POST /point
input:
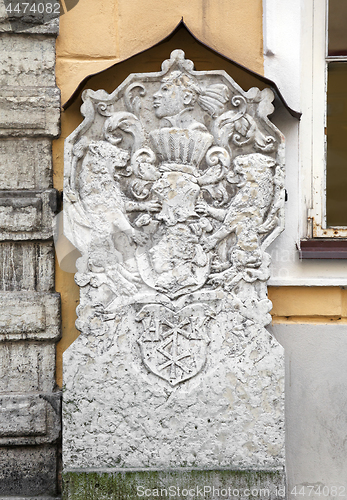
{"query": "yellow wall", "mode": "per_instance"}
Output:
(96, 35)
(295, 304)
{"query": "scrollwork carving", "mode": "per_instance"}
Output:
(133, 102)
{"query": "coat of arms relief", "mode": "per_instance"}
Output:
(173, 190)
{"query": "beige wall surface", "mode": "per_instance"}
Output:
(93, 35)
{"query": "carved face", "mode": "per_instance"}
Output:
(171, 99)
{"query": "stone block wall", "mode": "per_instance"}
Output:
(30, 404)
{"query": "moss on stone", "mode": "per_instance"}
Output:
(131, 485)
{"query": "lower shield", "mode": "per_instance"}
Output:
(174, 344)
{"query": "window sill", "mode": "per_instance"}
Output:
(323, 249)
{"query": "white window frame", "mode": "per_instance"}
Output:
(314, 70)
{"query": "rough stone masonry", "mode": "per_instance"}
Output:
(30, 405)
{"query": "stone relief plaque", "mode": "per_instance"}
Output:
(174, 188)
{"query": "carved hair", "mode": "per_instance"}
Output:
(212, 99)
(111, 124)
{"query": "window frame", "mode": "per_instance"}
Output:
(317, 108)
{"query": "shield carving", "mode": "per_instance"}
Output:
(174, 265)
(174, 345)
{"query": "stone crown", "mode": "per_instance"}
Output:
(182, 146)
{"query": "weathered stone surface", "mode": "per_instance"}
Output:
(31, 498)
(18, 26)
(33, 111)
(29, 316)
(27, 367)
(118, 484)
(30, 412)
(28, 469)
(27, 61)
(27, 214)
(174, 188)
(30, 419)
(26, 266)
(118, 413)
(22, 416)
(25, 163)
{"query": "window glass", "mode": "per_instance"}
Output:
(337, 28)
(336, 205)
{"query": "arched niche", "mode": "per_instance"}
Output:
(204, 57)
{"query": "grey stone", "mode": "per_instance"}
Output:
(30, 498)
(25, 163)
(24, 23)
(27, 367)
(29, 316)
(30, 412)
(29, 111)
(27, 214)
(28, 469)
(26, 266)
(27, 61)
(316, 413)
(45, 267)
(50, 28)
(173, 190)
(30, 419)
(22, 416)
(118, 412)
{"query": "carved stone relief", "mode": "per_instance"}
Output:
(173, 190)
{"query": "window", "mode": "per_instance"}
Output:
(328, 215)
(336, 153)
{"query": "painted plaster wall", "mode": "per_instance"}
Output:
(95, 35)
(316, 404)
